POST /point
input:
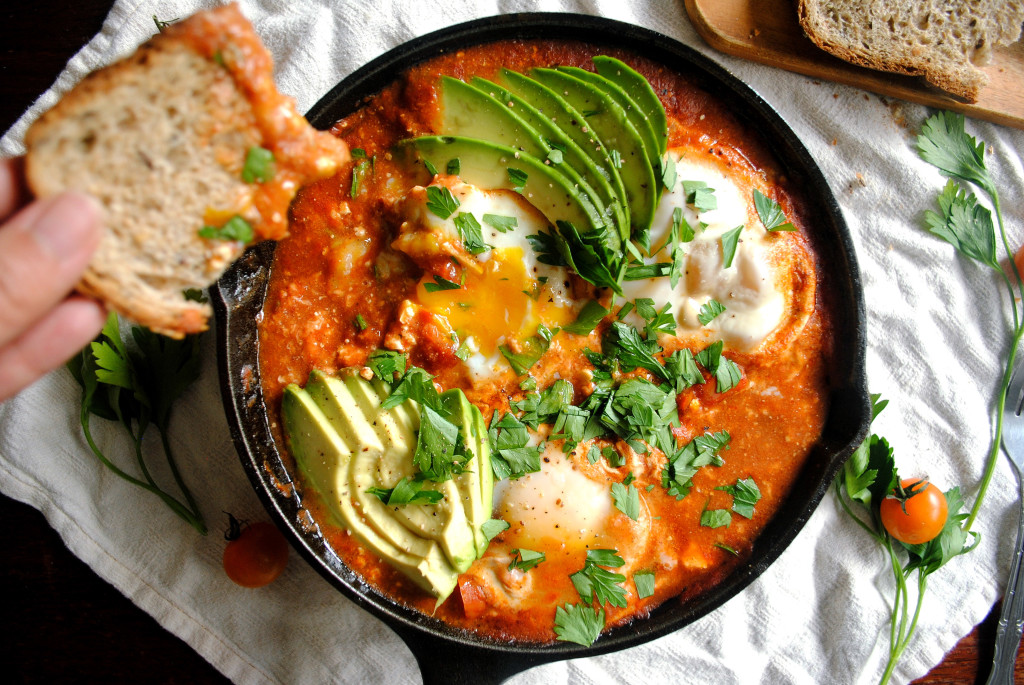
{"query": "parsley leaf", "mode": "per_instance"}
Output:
(454, 167)
(709, 311)
(236, 228)
(644, 581)
(727, 373)
(699, 195)
(440, 283)
(715, 518)
(517, 178)
(588, 318)
(502, 224)
(511, 455)
(770, 213)
(406, 491)
(530, 352)
(441, 202)
(470, 230)
(745, 494)
(730, 240)
(386, 364)
(595, 581)
(627, 499)
(579, 623)
(492, 528)
(964, 224)
(525, 559)
(944, 143)
(440, 448)
(259, 165)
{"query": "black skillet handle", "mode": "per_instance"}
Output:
(447, 662)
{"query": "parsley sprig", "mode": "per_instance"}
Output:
(136, 387)
(866, 479)
(967, 225)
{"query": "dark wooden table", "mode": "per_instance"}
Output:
(61, 621)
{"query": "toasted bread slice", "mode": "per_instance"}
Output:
(945, 41)
(161, 139)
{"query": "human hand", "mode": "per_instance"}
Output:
(44, 248)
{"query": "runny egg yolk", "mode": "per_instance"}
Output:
(498, 303)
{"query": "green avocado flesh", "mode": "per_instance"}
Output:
(486, 165)
(640, 90)
(572, 122)
(573, 155)
(344, 443)
(608, 121)
(636, 116)
(473, 113)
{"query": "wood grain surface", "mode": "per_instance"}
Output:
(61, 622)
(767, 31)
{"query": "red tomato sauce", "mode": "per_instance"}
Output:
(336, 290)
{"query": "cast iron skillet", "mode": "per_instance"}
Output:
(449, 655)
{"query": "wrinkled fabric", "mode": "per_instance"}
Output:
(937, 330)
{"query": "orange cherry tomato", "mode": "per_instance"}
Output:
(257, 556)
(924, 518)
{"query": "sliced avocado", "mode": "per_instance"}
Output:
(640, 90)
(637, 116)
(444, 521)
(573, 155)
(385, 442)
(325, 460)
(476, 484)
(472, 113)
(488, 165)
(572, 122)
(608, 121)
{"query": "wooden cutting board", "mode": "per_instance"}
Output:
(767, 31)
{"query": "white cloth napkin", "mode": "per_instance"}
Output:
(937, 333)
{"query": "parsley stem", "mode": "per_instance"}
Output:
(193, 507)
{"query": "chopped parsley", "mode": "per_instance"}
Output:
(259, 165)
(360, 322)
(770, 213)
(517, 178)
(407, 491)
(579, 623)
(715, 518)
(454, 167)
(745, 494)
(359, 173)
(441, 283)
(627, 499)
(595, 582)
(492, 528)
(730, 240)
(441, 202)
(471, 233)
(588, 318)
(727, 374)
(710, 310)
(235, 228)
(386, 364)
(511, 454)
(700, 195)
(668, 176)
(502, 224)
(530, 352)
(683, 463)
(555, 156)
(644, 581)
(525, 559)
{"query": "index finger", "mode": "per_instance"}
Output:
(12, 185)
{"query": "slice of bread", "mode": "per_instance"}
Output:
(161, 140)
(945, 41)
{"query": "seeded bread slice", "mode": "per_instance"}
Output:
(161, 139)
(945, 41)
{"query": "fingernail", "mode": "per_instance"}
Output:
(67, 225)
